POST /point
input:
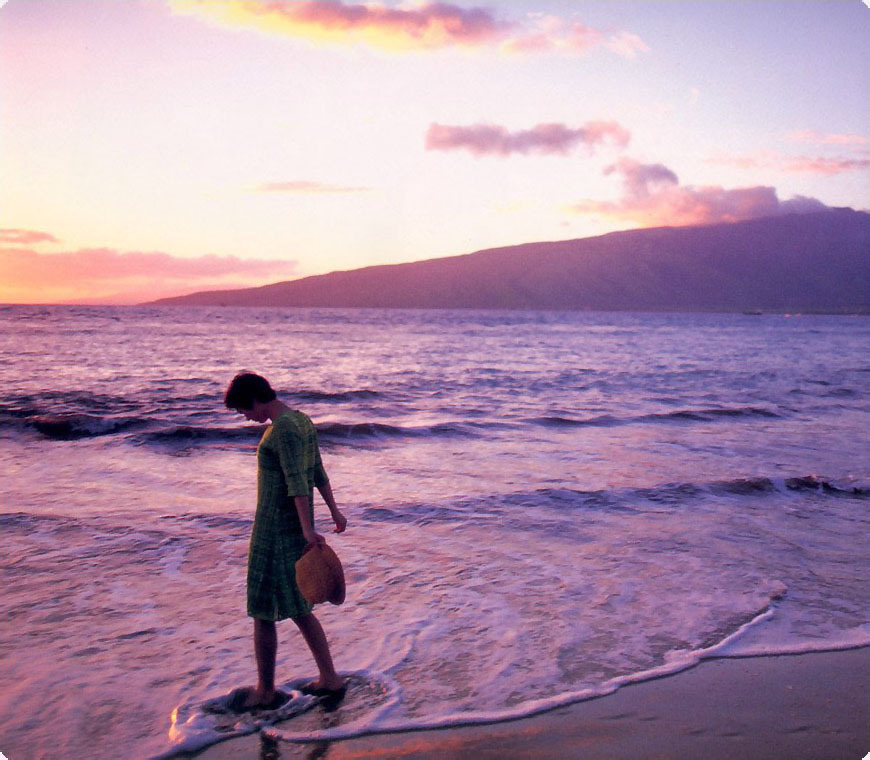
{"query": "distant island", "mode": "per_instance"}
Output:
(815, 262)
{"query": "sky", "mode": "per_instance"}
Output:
(152, 148)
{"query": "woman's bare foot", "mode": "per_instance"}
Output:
(250, 698)
(325, 687)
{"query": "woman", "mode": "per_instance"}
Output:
(288, 469)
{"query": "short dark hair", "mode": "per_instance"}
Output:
(245, 389)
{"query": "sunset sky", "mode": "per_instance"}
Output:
(157, 148)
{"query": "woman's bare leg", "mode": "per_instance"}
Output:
(266, 652)
(315, 637)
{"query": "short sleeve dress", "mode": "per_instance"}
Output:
(288, 465)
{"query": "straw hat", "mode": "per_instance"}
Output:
(319, 575)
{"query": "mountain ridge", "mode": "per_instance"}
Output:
(816, 261)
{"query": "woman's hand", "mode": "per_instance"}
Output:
(340, 521)
(312, 538)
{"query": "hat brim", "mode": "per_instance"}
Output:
(320, 576)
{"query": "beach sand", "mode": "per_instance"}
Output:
(794, 707)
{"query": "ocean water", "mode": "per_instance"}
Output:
(543, 507)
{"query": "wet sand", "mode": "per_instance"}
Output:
(793, 707)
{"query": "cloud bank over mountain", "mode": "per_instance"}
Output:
(652, 196)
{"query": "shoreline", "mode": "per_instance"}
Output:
(810, 706)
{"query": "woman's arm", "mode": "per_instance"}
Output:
(337, 517)
(303, 509)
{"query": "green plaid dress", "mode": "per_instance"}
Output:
(288, 465)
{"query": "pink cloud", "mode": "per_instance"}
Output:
(821, 165)
(821, 138)
(625, 44)
(652, 196)
(491, 139)
(96, 273)
(426, 26)
(306, 187)
(430, 25)
(642, 180)
(554, 34)
(450, 22)
(25, 237)
(772, 160)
